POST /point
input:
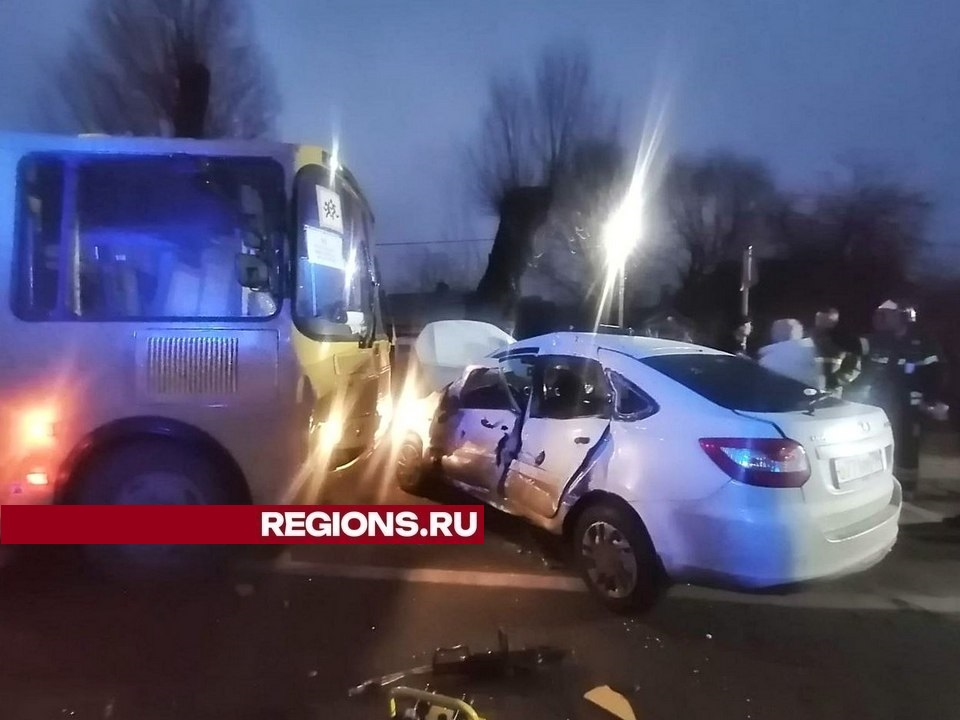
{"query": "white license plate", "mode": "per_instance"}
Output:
(858, 466)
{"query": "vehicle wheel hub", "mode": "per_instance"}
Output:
(408, 458)
(610, 561)
(159, 488)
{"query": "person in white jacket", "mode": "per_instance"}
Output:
(791, 354)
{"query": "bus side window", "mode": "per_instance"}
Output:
(38, 258)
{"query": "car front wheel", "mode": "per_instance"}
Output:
(616, 557)
(410, 469)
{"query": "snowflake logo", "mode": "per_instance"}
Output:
(330, 210)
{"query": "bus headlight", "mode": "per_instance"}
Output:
(38, 429)
(331, 431)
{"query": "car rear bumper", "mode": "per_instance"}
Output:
(769, 543)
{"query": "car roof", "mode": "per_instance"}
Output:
(584, 344)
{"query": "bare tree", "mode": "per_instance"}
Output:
(568, 248)
(186, 68)
(532, 131)
(872, 218)
(504, 157)
(717, 206)
(534, 125)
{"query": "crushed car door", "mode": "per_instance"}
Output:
(567, 417)
(484, 419)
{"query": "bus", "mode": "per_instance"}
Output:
(184, 321)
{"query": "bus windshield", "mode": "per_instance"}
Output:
(333, 269)
(137, 237)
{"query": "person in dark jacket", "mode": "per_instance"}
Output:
(736, 342)
(838, 367)
(903, 375)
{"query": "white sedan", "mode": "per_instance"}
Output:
(664, 459)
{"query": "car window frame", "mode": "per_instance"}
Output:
(653, 407)
(537, 395)
(510, 405)
(522, 404)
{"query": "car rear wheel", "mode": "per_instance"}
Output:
(155, 471)
(616, 557)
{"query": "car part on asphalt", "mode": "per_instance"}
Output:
(458, 660)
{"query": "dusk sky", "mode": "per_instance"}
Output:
(797, 84)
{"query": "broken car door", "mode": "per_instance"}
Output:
(485, 416)
(568, 414)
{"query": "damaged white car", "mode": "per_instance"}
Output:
(658, 459)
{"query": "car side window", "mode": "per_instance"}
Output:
(485, 390)
(571, 387)
(631, 403)
(518, 372)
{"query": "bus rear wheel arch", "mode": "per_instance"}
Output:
(156, 470)
(195, 451)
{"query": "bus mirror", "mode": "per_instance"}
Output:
(252, 239)
(252, 272)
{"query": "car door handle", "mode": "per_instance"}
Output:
(581, 440)
(538, 460)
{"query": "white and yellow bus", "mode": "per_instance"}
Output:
(183, 321)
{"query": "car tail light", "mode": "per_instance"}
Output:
(764, 462)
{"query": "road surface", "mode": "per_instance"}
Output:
(284, 637)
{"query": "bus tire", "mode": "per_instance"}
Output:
(156, 471)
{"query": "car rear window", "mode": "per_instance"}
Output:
(735, 383)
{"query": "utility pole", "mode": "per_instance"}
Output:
(623, 285)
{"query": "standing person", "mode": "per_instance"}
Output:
(837, 367)
(903, 376)
(876, 349)
(736, 342)
(920, 370)
(790, 354)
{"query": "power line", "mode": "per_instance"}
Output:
(432, 242)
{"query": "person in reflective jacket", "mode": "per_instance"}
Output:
(903, 373)
(838, 366)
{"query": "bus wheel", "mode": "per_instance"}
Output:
(155, 471)
(410, 471)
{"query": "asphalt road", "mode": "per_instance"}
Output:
(286, 636)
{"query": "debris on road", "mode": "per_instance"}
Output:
(605, 698)
(458, 660)
(244, 589)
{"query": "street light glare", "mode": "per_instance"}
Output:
(621, 232)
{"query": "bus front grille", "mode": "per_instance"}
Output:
(192, 365)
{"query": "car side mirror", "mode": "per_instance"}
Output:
(252, 272)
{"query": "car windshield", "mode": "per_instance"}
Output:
(734, 382)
